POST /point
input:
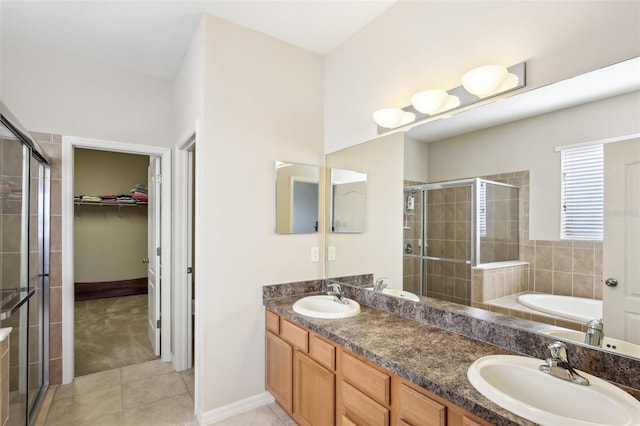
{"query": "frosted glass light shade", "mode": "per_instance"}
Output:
(390, 118)
(432, 102)
(488, 80)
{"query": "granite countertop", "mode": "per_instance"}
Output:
(430, 357)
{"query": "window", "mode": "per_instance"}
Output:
(482, 210)
(582, 193)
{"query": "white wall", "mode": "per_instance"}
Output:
(378, 250)
(424, 45)
(188, 97)
(262, 102)
(415, 160)
(530, 145)
(58, 94)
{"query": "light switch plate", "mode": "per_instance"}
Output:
(315, 254)
(331, 253)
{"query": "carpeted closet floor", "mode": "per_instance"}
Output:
(111, 333)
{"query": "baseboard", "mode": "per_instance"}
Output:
(235, 408)
(99, 290)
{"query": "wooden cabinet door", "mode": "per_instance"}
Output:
(279, 370)
(314, 392)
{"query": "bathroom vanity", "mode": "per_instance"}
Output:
(319, 382)
(376, 368)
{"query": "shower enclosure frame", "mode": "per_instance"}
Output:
(36, 291)
(475, 201)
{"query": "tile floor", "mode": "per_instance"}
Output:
(150, 393)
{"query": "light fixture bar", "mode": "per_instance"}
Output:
(466, 99)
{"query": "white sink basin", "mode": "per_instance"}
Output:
(608, 343)
(516, 384)
(396, 292)
(324, 306)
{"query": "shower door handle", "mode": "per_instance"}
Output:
(14, 303)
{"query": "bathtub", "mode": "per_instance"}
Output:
(572, 308)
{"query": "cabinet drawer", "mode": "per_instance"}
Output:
(272, 322)
(418, 409)
(297, 336)
(359, 409)
(369, 380)
(322, 351)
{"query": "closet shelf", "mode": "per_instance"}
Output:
(77, 205)
(80, 203)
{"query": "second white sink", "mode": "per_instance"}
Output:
(516, 384)
(396, 292)
(324, 306)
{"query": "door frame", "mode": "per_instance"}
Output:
(69, 143)
(182, 294)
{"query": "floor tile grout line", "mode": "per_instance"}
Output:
(155, 402)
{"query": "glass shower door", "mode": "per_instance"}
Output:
(24, 242)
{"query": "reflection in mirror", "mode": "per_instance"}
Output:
(521, 149)
(463, 224)
(297, 206)
(348, 201)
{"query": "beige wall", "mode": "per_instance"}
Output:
(110, 242)
(530, 145)
(419, 45)
(262, 102)
(375, 251)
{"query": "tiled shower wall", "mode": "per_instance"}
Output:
(449, 237)
(52, 145)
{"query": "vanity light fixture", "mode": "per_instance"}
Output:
(488, 80)
(393, 117)
(433, 102)
(478, 86)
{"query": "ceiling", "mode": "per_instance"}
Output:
(151, 36)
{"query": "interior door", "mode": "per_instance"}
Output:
(154, 254)
(621, 249)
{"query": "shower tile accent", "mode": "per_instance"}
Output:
(499, 281)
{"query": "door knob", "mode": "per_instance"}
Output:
(145, 260)
(611, 282)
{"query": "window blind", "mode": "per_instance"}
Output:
(482, 210)
(582, 193)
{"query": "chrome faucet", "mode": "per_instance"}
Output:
(337, 293)
(379, 285)
(558, 365)
(595, 332)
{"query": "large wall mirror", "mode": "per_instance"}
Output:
(515, 143)
(297, 194)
